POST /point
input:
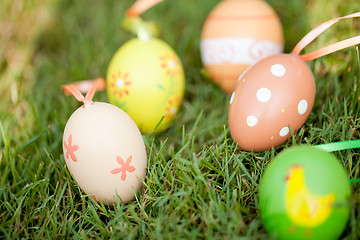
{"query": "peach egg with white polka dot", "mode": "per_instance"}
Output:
(275, 95)
(272, 98)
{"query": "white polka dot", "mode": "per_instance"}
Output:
(251, 120)
(232, 97)
(278, 70)
(263, 94)
(302, 106)
(284, 131)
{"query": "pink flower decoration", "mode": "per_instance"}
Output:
(125, 167)
(70, 149)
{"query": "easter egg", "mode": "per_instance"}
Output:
(304, 194)
(145, 78)
(273, 97)
(104, 152)
(236, 34)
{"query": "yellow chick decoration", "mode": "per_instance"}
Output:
(304, 194)
(303, 207)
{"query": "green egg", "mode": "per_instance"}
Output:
(305, 194)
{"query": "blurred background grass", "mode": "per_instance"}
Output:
(199, 184)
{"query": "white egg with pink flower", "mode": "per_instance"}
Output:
(104, 152)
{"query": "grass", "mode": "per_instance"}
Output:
(198, 184)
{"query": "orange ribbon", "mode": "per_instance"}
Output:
(74, 89)
(140, 6)
(308, 38)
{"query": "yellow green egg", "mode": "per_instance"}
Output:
(305, 194)
(145, 78)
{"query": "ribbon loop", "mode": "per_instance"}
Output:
(330, 48)
(308, 38)
(74, 89)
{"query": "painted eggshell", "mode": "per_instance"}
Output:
(304, 194)
(146, 80)
(236, 34)
(104, 152)
(273, 96)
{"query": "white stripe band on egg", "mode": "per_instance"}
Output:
(218, 51)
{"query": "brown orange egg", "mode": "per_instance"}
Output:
(236, 34)
(273, 97)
